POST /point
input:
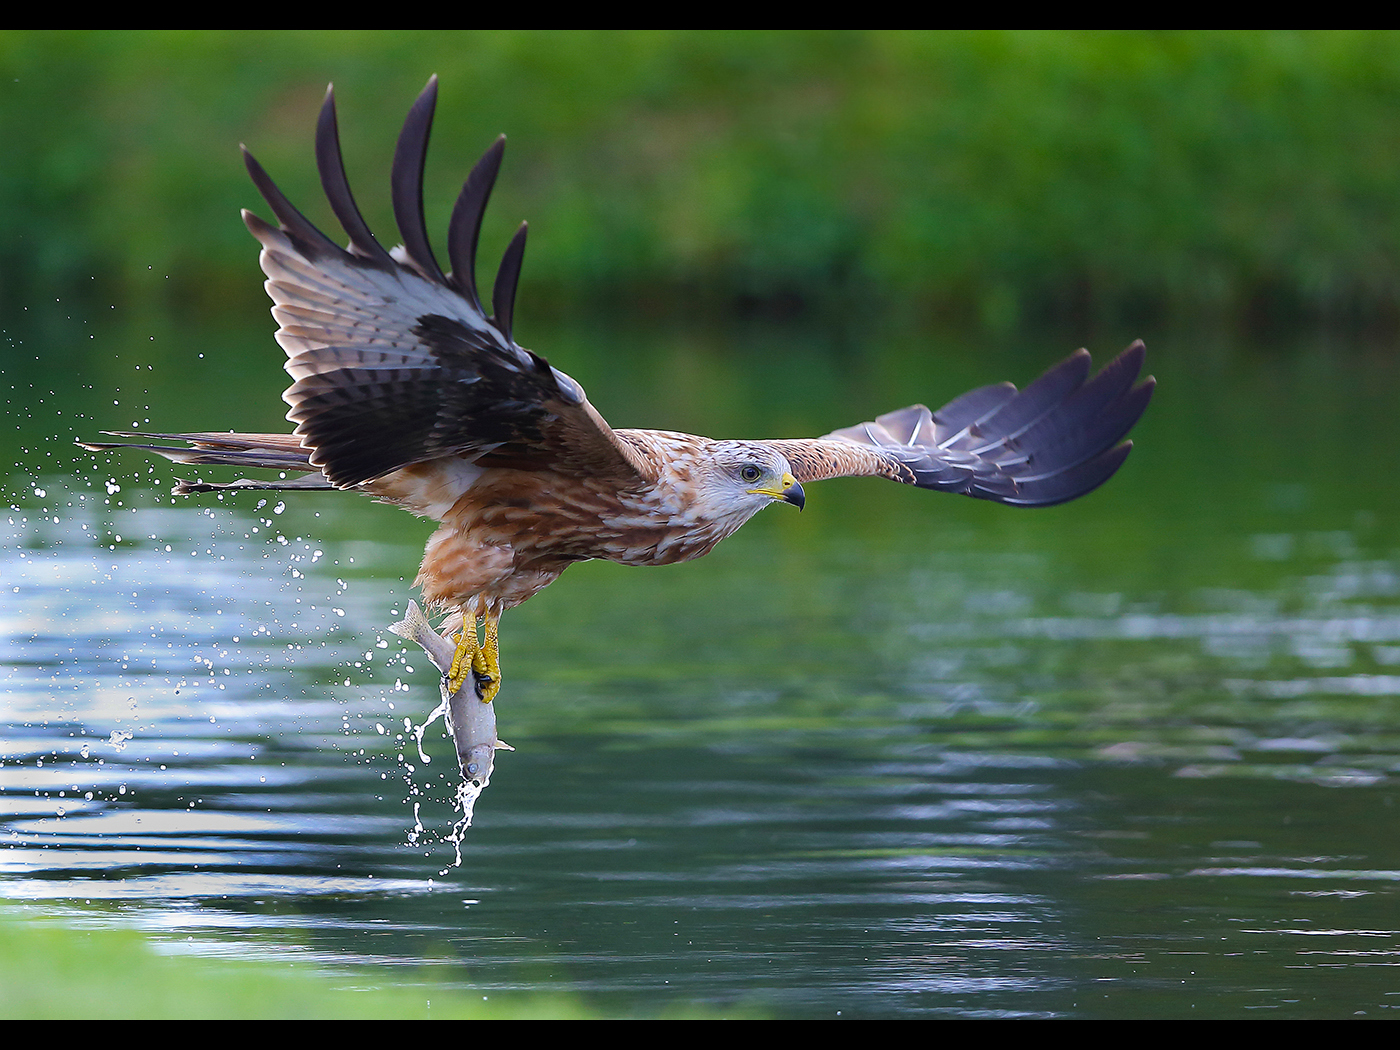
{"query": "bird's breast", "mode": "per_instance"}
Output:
(546, 518)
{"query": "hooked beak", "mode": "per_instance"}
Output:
(793, 493)
(790, 492)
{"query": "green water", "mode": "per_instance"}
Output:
(900, 754)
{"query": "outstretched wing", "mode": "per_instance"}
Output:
(1054, 441)
(396, 362)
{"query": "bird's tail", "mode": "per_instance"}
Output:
(267, 451)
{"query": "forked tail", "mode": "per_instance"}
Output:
(266, 451)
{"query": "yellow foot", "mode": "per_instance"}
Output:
(486, 663)
(464, 658)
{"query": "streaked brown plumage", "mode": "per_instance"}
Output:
(405, 389)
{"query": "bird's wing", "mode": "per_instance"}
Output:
(1055, 440)
(395, 362)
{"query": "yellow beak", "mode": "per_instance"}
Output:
(788, 491)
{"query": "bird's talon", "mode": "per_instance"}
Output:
(486, 666)
(462, 660)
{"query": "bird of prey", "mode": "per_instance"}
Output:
(405, 388)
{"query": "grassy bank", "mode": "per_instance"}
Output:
(49, 969)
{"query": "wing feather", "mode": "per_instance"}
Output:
(1054, 441)
(331, 165)
(507, 277)
(970, 407)
(395, 363)
(406, 183)
(464, 229)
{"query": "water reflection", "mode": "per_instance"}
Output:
(979, 781)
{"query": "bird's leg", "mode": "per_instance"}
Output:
(486, 661)
(465, 656)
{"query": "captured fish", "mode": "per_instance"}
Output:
(471, 722)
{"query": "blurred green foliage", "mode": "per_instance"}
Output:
(993, 178)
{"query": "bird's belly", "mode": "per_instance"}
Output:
(459, 568)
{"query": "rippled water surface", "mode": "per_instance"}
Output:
(899, 755)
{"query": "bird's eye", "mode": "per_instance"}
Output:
(749, 472)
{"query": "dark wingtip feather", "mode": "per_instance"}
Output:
(310, 241)
(1079, 432)
(507, 277)
(464, 231)
(1042, 397)
(1069, 484)
(1084, 451)
(1131, 359)
(406, 182)
(331, 164)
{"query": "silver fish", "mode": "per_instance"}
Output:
(471, 723)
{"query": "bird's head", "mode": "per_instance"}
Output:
(740, 478)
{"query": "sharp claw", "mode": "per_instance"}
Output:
(462, 659)
(487, 674)
(480, 660)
